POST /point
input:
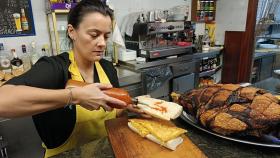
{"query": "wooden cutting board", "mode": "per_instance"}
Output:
(128, 144)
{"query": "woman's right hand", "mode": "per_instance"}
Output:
(91, 97)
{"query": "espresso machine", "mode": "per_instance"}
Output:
(154, 40)
(167, 50)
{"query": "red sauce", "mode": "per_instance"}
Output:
(160, 108)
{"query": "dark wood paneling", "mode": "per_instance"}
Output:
(194, 10)
(248, 43)
(231, 56)
(239, 49)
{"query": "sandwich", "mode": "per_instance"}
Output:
(159, 108)
(157, 131)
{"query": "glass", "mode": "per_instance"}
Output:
(17, 21)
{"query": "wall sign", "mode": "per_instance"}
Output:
(16, 18)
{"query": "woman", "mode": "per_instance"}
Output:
(40, 92)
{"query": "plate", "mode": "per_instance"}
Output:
(192, 121)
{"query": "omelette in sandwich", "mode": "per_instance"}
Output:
(157, 131)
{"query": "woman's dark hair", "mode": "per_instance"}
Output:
(84, 7)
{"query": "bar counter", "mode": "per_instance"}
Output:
(212, 146)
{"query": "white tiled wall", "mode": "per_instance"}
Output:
(121, 7)
(230, 16)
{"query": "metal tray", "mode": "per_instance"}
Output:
(192, 121)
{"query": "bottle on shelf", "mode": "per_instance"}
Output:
(205, 10)
(206, 41)
(198, 5)
(25, 58)
(35, 56)
(43, 52)
(1, 47)
(47, 49)
(5, 60)
(16, 62)
(211, 5)
(24, 22)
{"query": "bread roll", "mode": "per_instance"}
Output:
(8, 76)
(159, 108)
(17, 72)
(2, 75)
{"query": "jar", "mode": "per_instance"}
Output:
(206, 5)
(202, 5)
(210, 15)
(211, 5)
(202, 15)
(198, 5)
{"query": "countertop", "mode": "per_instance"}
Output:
(212, 146)
(127, 76)
(134, 65)
(271, 84)
(258, 55)
(213, 52)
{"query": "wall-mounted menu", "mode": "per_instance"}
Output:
(16, 18)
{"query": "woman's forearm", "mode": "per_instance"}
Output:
(16, 101)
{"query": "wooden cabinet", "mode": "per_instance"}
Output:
(203, 11)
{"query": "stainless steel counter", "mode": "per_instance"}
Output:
(127, 76)
(211, 53)
(258, 55)
(134, 65)
(130, 80)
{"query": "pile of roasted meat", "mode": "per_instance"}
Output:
(232, 109)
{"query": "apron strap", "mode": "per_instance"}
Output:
(101, 73)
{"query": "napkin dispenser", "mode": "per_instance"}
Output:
(127, 55)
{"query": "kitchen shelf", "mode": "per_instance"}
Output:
(61, 11)
(206, 10)
(210, 72)
(53, 29)
(201, 14)
(269, 37)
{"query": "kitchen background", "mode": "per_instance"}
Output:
(224, 20)
(230, 16)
